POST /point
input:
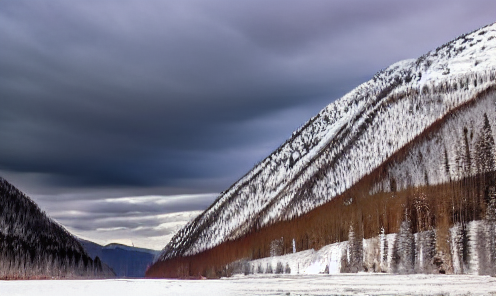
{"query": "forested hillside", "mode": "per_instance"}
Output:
(34, 246)
(414, 146)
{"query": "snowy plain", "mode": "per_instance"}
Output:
(342, 284)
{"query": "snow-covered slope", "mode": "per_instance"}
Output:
(346, 141)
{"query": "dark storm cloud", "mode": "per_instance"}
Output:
(171, 97)
(147, 93)
(105, 95)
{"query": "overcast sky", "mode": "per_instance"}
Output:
(123, 119)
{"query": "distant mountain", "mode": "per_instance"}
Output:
(34, 246)
(124, 260)
(413, 146)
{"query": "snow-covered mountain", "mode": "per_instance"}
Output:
(420, 122)
(34, 246)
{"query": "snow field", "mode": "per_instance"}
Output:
(343, 284)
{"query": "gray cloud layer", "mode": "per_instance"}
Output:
(147, 221)
(167, 97)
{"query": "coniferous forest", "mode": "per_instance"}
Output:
(32, 246)
(408, 156)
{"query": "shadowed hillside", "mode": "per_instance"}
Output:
(125, 261)
(34, 246)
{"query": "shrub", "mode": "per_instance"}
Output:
(287, 269)
(269, 268)
(259, 268)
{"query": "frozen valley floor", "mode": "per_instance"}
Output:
(340, 284)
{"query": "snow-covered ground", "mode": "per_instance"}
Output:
(342, 284)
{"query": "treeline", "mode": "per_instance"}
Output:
(34, 246)
(429, 211)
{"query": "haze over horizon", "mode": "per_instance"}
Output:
(124, 119)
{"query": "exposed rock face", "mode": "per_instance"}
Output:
(409, 152)
(34, 246)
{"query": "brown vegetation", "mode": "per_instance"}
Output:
(426, 207)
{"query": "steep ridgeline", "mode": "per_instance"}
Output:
(34, 246)
(417, 135)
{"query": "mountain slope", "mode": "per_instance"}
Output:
(125, 261)
(34, 246)
(346, 143)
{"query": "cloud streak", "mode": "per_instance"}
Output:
(146, 221)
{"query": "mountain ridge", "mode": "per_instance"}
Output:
(126, 261)
(346, 141)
